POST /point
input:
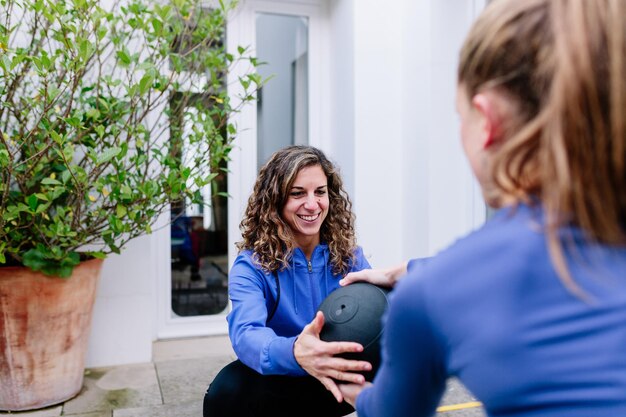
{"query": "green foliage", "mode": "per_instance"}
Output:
(94, 103)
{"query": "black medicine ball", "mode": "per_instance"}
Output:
(354, 314)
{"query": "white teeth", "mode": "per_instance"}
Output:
(308, 218)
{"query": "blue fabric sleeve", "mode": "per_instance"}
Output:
(255, 344)
(415, 265)
(360, 262)
(412, 377)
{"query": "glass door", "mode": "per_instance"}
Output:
(193, 296)
(282, 103)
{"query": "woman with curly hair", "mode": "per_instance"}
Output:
(298, 242)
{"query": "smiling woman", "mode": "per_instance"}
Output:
(298, 242)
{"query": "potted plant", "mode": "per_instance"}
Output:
(89, 157)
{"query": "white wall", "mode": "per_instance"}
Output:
(452, 190)
(341, 144)
(378, 129)
(416, 127)
(414, 191)
(123, 319)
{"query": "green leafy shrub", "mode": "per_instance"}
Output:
(89, 156)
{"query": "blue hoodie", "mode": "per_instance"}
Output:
(268, 349)
(492, 311)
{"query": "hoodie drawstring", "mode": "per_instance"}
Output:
(325, 272)
(293, 281)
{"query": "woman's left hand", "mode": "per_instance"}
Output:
(351, 391)
(318, 358)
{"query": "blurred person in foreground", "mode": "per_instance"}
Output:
(529, 311)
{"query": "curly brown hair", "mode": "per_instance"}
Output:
(266, 233)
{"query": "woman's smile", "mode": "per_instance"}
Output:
(309, 217)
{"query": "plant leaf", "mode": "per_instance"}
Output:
(50, 181)
(107, 155)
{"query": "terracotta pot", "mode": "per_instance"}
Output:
(44, 330)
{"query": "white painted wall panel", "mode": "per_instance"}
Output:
(123, 319)
(417, 126)
(340, 145)
(450, 180)
(378, 129)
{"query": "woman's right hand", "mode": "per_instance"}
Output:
(381, 277)
(318, 358)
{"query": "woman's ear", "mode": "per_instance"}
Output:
(485, 104)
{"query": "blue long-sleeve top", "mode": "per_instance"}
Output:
(268, 348)
(492, 311)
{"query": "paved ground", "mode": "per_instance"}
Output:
(173, 385)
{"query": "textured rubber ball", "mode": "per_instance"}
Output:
(354, 314)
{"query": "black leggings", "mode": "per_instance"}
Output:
(239, 391)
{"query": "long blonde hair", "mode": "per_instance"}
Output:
(270, 238)
(563, 63)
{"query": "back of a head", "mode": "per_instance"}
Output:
(563, 64)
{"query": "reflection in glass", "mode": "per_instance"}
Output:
(198, 231)
(199, 237)
(282, 107)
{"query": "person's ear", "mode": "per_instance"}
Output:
(490, 119)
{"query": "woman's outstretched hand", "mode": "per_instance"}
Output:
(318, 358)
(382, 277)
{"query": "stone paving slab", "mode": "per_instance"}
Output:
(202, 347)
(46, 412)
(456, 393)
(187, 380)
(108, 413)
(106, 389)
(189, 409)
